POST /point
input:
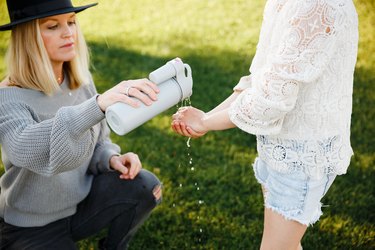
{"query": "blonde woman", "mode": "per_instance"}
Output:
(297, 100)
(64, 179)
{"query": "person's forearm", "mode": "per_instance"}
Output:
(225, 104)
(218, 120)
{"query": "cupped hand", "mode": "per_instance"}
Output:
(182, 129)
(188, 121)
(140, 90)
(127, 164)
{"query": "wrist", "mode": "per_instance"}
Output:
(204, 124)
(98, 101)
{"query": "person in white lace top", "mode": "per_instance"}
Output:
(297, 100)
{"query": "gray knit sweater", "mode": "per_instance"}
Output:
(51, 148)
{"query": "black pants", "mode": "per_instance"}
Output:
(113, 203)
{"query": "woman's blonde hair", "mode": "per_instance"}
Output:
(29, 65)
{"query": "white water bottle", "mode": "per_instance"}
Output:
(175, 83)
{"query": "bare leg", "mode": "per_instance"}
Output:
(279, 233)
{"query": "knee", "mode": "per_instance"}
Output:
(151, 185)
(157, 192)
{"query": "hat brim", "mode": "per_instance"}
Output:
(9, 26)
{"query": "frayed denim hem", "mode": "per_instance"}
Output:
(286, 216)
(294, 196)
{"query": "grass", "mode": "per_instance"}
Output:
(215, 202)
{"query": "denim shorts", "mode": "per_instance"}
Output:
(295, 195)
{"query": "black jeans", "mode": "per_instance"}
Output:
(113, 203)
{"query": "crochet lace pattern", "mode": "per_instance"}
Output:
(298, 97)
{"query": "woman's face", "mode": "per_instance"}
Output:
(59, 36)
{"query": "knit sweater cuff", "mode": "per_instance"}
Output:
(106, 156)
(84, 116)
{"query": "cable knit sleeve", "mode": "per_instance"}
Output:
(300, 49)
(52, 146)
(104, 150)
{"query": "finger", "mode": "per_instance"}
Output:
(175, 116)
(152, 85)
(173, 127)
(128, 100)
(184, 131)
(134, 170)
(140, 83)
(152, 93)
(120, 167)
(134, 165)
(125, 177)
(181, 128)
(177, 127)
(147, 88)
(134, 92)
(193, 133)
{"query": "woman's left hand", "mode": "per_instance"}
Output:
(127, 164)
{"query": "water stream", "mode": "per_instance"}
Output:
(193, 170)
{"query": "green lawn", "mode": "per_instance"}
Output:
(211, 198)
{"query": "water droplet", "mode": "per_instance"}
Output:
(192, 169)
(200, 202)
(180, 184)
(174, 205)
(195, 184)
(198, 188)
(187, 102)
(200, 230)
(188, 142)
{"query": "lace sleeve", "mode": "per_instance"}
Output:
(298, 53)
(244, 83)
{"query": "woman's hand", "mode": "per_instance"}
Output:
(128, 165)
(142, 89)
(188, 121)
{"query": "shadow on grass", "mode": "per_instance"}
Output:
(218, 205)
(195, 206)
(363, 117)
(214, 76)
(232, 199)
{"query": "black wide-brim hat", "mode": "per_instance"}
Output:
(21, 11)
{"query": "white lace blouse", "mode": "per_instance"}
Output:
(298, 96)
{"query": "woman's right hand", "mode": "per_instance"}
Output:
(142, 89)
